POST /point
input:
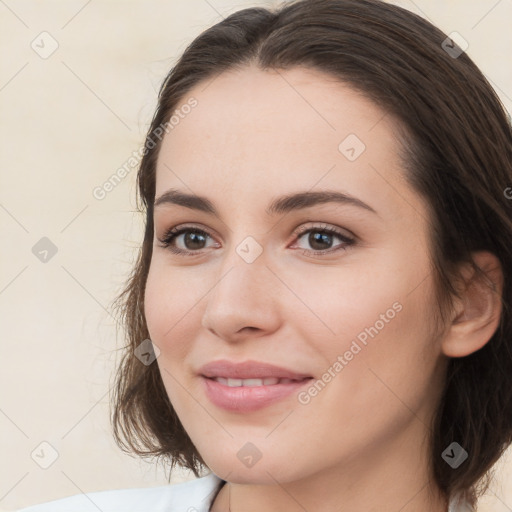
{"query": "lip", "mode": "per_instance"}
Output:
(244, 398)
(248, 370)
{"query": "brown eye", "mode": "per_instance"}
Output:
(322, 239)
(192, 240)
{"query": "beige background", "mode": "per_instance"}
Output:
(69, 121)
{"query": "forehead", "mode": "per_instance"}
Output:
(256, 133)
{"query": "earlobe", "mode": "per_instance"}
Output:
(478, 311)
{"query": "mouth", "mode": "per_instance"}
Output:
(249, 386)
(251, 383)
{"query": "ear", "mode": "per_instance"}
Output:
(477, 314)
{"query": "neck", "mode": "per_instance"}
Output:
(391, 478)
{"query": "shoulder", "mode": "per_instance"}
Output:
(193, 496)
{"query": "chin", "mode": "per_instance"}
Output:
(261, 473)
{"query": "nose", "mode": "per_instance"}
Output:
(243, 301)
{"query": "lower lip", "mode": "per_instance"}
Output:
(247, 399)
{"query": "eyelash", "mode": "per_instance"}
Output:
(173, 233)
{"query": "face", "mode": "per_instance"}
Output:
(335, 291)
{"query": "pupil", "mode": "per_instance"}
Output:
(194, 238)
(319, 237)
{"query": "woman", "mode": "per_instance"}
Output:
(320, 312)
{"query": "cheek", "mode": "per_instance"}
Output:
(170, 315)
(388, 358)
(378, 321)
(171, 308)
(338, 304)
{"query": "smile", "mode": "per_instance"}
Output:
(248, 395)
(250, 383)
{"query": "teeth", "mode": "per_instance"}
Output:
(252, 382)
(236, 383)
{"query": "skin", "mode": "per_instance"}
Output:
(359, 444)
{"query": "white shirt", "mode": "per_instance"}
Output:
(193, 496)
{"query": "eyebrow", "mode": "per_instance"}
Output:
(279, 205)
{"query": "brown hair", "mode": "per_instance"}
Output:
(458, 155)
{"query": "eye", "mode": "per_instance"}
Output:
(320, 238)
(194, 239)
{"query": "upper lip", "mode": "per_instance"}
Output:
(248, 370)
